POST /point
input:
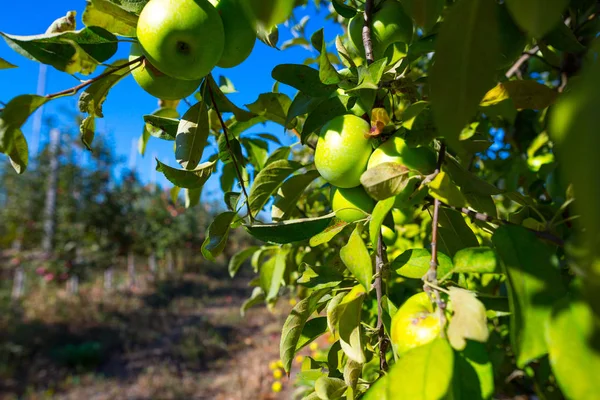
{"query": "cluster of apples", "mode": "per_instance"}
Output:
(183, 40)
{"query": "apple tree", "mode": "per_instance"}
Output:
(439, 215)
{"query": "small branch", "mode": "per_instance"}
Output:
(233, 158)
(77, 88)
(379, 266)
(366, 32)
(517, 65)
(430, 278)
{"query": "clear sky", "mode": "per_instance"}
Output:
(127, 103)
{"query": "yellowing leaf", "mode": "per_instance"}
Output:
(469, 320)
(443, 189)
(379, 120)
(526, 94)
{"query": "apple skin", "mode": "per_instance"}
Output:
(158, 84)
(351, 204)
(240, 34)
(390, 24)
(414, 324)
(343, 150)
(389, 235)
(181, 38)
(270, 12)
(395, 149)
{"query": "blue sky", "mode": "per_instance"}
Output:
(127, 103)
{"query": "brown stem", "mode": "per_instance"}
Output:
(366, 32)
(379, 266)
(431, 274)
(83, 84)
(229, 149)
(517, 65)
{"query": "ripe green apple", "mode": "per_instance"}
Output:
(351, 204)
(395, 149)
(414, 324)
(240, 34)
(402, 216)
(158, 84)
(390, 24)
(270, 12)
(182, 38)
(389, 235)
(343, 150)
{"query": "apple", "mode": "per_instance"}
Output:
(390, 24)
(389, 235)
(270, 12)
(343, 150)
(414, 324)
(402, 216)
(351, 204)
(240, 34)
(182, 38)
(158, 84)
(395, 149)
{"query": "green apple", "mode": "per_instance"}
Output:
(182, 38)
(343, 150)
(351, 204)
(402, 216)
(390, 24)
(389, 235)
(158, 84)
(270, 12)
(240, 34)
(414, 324)
(395, 149)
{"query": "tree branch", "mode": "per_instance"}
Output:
(431, 274)
(517, 65)
(380, 261)
(366, 32)
(233, 158)
(77, 88)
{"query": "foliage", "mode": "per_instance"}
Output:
(503, 93)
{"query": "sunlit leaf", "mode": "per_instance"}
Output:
(469, 319)
(357, 259)
(193, 179)
(289, 193)
(414, 264)
(385, 180)
(290, 231)
(525, 94)
(192, 136)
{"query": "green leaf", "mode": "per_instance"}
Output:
(192, 197)
(257, 297)
(413, 374)
(238, 259)
(574, 356)
(349, 328)
(162, 127)
(19, 155)
(72, 51)
(466, 57)
(329, 388)
(225, 105)
(327, 73)
(453, 233)
(112, 16)
(5, 64)
(534, 285)
(301, 105)
(385, 180)
(289, 193)
(356, 258)
(303, 78)
(343, 9)
(14, 115)
(294, 325)
(87, 129)
(473, 373)
(381, 210)
(290, 231)
(268, 181)
(469, 319)
(272, 106)
(352, 372)
(333, 314)
(537, 17)
(525, 94)
(281, 153)
(379, 390)
(312, 329)
(335, 227)
(445, 190)
(192, 136)
(425, 13)
(193, 179)
(479, 260)
(325, 112)
(217, 234)
(562, 38)
(271, 274)
(258, 151)
(269, 36)
(414, 264)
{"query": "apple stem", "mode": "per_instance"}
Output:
(209, 80)
(77, 88)
(430, 277)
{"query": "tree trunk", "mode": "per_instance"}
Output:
(18, 284)
(73, 285)
(108, 279)
(152, 263)
(131, 268)
(170, 263)
(50, 206)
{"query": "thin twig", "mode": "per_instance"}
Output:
(229, 149)
(366, 32)
(431, 275)
(379, 266)
(77, 88)
(517, 65)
